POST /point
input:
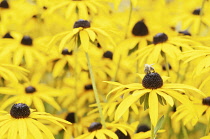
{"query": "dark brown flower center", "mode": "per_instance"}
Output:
(152, 81)
(27, 40)
(160, 38)
(121, 135)
(197, 11)
(108, 54)
(30, 89)
(71, 117)
(88, 87)
(142, 128)
(140, 29)
(94, 126)
(66, 52)
(206, 101)
(20, 110)
(4, 4)
(8, 35)
(82, 23)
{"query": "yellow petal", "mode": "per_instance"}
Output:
(43, 128)
(109, 133)
(100, 135)
(12, 133)
(153, 107)
(33, 129)
(126, 103)
(167, 98)
(91, 34)
(38, 104)
(70, 9)
(84, 38)
(22, 128)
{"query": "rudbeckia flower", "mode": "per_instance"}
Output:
(83, 33)
(202, 109)
(33, 94)
(24, 51)
(171, 47)
(97, 131)
(23, 123)
(151, 91)
(192, 17)
(80, 124)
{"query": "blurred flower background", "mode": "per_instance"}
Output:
(105, 69)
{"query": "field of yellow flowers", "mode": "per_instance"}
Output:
(104, 69)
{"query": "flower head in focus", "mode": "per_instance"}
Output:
(151, 92)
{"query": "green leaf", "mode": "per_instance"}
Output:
(142, 99)
(160, 100)
(146, 104)
(159, 124)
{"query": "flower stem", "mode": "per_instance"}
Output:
(95, 90)
(152, 132)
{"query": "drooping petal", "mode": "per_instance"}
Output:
(84, 38)
(153, 107)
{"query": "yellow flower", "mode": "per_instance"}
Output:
(23, 123)
(96, 131)
(79, 124)
(33, 94)
(150, 92)
(83, 33)
(25, 50)
(162, 44)
(202, 109)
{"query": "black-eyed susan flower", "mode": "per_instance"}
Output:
(151, 91)
(25, 51)
(80, 124)
(33, 93)
(186, 115)
(95, 130)
(83, 33)
(23, 122)
(163, 46)
(192, 17)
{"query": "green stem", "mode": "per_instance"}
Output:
(152, 132)
(95, 90)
